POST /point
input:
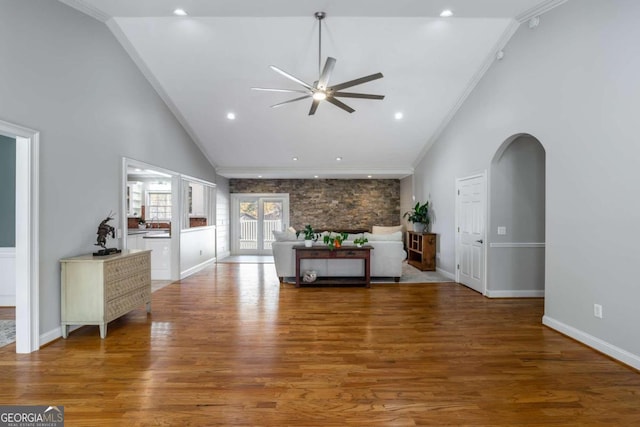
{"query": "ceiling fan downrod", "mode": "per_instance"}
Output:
(320, 16)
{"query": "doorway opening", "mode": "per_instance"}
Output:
(516, 232)
(254, 217)
(26, 236)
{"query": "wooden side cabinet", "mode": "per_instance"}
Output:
(421, 250)
(97, 290)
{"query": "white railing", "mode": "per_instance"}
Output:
(249, 232)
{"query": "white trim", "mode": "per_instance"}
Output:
(87, 9)
(538, 10)
(27, 236)
(489, 60)
(610, 350)
(223, 255)
(533, 293)
(517, 245)
(7, 252)
(196, 268)
(446, 274)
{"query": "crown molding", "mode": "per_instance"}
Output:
(87, 9)
(310, 173)
(538, 10)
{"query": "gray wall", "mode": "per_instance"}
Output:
(65, 75)
(517, 202)
(573, 84)
(7, 192)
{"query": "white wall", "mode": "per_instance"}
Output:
(197, 249)
(222, 218)
(66, 76)
(573, 84)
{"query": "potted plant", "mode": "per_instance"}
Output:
(310, 236)
(419, 216)
(360, 241)
(335, 241)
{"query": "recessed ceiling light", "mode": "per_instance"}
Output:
(398, 115)
(295, 159)
(446, 13)
(231, 116)
(338, 158)
(259, 176)
(180, 12)
(315, 176)
(369, 176)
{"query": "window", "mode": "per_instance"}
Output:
(159, 206)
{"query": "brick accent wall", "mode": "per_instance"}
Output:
(332, 204)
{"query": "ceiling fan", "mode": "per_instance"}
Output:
(320, 90)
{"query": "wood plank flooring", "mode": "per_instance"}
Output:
(232, 347)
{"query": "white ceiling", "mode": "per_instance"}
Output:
(204, 65)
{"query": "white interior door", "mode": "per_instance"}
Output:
(254, 218)
(470, 253)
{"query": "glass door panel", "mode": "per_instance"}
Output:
(255, 217)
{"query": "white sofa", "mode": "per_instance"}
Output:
(386, 257)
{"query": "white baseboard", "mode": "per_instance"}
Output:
(610, 350)
(196, 268)
(446, 274)
(533, 293)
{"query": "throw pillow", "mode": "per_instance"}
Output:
(378, 229)
(391, 237)
(284, 236)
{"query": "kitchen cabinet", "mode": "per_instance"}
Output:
(134, 199)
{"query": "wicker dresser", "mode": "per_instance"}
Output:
(97, 290)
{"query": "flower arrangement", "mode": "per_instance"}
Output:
(335, 241)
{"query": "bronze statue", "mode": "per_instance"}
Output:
(104, 230)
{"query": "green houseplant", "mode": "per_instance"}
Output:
(310, 236)
(335, 241)
(419, 216)
(360, 241)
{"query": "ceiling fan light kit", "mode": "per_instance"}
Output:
(320, 90)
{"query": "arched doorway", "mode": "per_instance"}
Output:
(516, 234)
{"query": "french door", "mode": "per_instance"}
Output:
(254, 217)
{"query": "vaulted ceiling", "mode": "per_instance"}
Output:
(204, 64)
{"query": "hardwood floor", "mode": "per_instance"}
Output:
(232, 347)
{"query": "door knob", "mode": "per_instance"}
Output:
(479, 241)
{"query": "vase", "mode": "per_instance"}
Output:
(308, 243)
(419, 227)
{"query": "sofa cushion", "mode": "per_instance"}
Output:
(378, 229)
(397, 236)
(286, 236)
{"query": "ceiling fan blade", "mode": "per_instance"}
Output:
(314, 107)
(356, 82)
(323, 81)
(291, 100)
(358, 95)
(290, 77)
(340, 104)
(266, 89)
